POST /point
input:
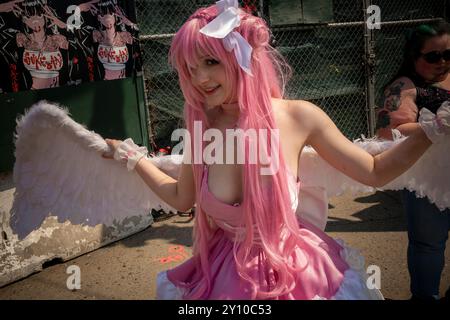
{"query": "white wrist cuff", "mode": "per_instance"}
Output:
(436, 126)
(129, 153)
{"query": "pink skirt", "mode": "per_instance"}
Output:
(334, 271)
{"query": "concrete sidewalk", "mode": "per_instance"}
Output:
(373, 223)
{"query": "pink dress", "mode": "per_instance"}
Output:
(334, 271)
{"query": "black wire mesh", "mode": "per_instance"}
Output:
(323, 41)
(328, 71)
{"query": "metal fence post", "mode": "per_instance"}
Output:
(369, 58)
(263, 9)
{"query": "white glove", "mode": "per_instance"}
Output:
(436, 126)
(130, 153)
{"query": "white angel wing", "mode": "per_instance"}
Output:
(428, 177)
(59, 172)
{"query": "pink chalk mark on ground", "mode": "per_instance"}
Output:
(178, 254)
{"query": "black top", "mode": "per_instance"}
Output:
(429, 96)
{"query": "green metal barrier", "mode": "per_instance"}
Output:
(114, 109)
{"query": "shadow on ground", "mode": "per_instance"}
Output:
(377, 212)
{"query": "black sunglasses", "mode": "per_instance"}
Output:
(436, 56)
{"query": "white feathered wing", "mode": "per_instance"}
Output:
(59, 172)
(428, 177)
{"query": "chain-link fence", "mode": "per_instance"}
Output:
(326, 53)
(338, 63)
(158, 21)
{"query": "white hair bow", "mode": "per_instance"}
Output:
(222, 28)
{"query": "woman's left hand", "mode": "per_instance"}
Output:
(436, 126)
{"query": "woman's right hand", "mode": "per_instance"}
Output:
(11, 6)
(113, 145)
(125, 152)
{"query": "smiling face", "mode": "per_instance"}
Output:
(434, 72)
(209, 78)
(107, 20)
(35, 23)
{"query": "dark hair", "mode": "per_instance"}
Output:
(415, 40)
(109, 7)
(32, 8)
(106, 7)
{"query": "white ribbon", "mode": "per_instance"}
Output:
(222, 28)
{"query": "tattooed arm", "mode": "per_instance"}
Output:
(399, 109)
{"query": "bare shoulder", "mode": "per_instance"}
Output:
(296, 109)
(300, 116)
(302, 112)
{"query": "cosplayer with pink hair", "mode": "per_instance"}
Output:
(248, 241)
(253, 101)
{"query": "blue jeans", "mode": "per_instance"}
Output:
(427, 233)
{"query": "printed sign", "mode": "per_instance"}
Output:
(52, 43)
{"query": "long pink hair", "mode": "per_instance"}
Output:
(267, 220)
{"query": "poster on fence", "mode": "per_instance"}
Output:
(52, 43)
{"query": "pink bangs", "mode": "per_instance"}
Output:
(189, 45)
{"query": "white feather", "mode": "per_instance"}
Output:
(59, 171)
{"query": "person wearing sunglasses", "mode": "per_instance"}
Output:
(422, 81)
(434, 57)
